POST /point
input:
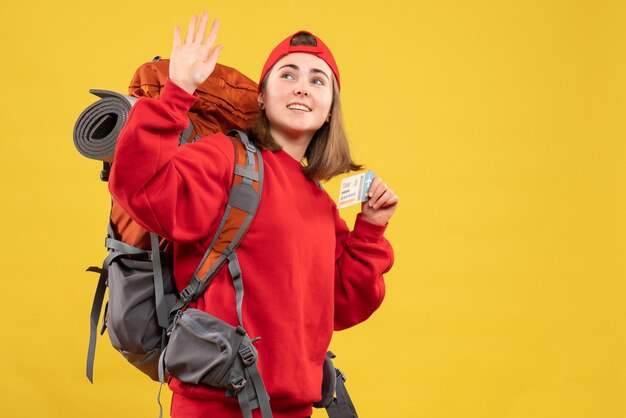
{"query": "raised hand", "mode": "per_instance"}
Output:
(381, 205)
(193, 60)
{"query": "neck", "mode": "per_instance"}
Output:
(295, 145)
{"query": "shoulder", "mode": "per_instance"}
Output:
(216, 146)
(212, 156)
(328, 203)
(319, 188)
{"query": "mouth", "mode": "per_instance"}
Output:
(299, 106)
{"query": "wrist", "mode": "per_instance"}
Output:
(375, 220)
(188, 87)
(367, 231)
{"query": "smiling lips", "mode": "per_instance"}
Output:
(298, 106)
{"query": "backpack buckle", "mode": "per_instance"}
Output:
(247, 355)
(341, 375)
(250, 147)
(186, 295)
(106, 170)
(237, 382)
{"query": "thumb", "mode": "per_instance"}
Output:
(214, 55)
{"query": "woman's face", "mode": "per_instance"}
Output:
(298, 95)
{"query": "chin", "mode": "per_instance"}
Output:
(298, 129)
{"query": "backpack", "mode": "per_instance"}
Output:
(148, 321)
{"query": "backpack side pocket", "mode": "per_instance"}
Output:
(131, 316)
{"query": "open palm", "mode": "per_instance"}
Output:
(193, 61)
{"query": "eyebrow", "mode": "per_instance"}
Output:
(313, 70)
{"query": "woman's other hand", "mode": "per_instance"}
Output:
(193, 60)
(381, 205)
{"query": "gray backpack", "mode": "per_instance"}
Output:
(150, 324)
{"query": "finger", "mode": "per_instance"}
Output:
(394, 201)
(215, 53)
(374, 185)
(176, 36)
(201, 28)
(191, 29)
(381, 199)
(387, 199)
(377, 193)
(207, 46)
(373, 193)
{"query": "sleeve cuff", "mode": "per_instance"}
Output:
(175, 99)
(367, 231)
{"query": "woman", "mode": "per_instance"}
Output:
(305, 273)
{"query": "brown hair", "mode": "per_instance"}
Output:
(328, 153)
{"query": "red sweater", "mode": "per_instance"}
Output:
(304, 272)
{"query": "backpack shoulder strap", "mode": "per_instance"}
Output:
(243, 201)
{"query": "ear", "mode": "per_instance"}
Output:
(261, 101)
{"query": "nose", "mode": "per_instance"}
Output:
(301, 90)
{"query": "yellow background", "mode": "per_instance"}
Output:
(501, 126)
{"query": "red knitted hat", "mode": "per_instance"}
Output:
(284, 48)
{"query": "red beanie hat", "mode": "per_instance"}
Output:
(284, 48)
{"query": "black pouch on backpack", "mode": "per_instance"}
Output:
(204, 350)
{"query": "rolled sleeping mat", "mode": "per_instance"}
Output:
(97, 128)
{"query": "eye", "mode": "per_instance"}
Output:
(318, 81)
(287, 76)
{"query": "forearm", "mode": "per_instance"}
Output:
(365, 256)
(142, 167)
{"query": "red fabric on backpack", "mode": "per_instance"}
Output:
(227, 100)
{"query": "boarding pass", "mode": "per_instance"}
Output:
(354, 189)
